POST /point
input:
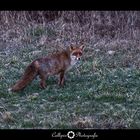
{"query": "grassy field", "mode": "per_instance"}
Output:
(102, 92)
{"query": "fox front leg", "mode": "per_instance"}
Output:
(61, 78)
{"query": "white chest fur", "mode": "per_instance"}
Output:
(73, 62)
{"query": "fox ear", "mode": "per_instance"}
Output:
(71, 48)
(82, 47)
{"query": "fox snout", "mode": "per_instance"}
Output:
(75, 58)
(78, 58)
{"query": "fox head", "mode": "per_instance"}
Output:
(76, 54)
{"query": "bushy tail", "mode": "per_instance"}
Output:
(30, 73)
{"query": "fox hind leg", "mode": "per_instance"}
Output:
(43, 78)
(42, 83)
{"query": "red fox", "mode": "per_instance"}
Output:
(58, 63)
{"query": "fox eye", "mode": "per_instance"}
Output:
(80, 53)
(77, 53)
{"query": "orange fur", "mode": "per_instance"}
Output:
(53, 64)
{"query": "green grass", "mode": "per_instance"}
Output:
(102, 92)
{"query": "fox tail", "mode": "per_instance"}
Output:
(28, 76)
